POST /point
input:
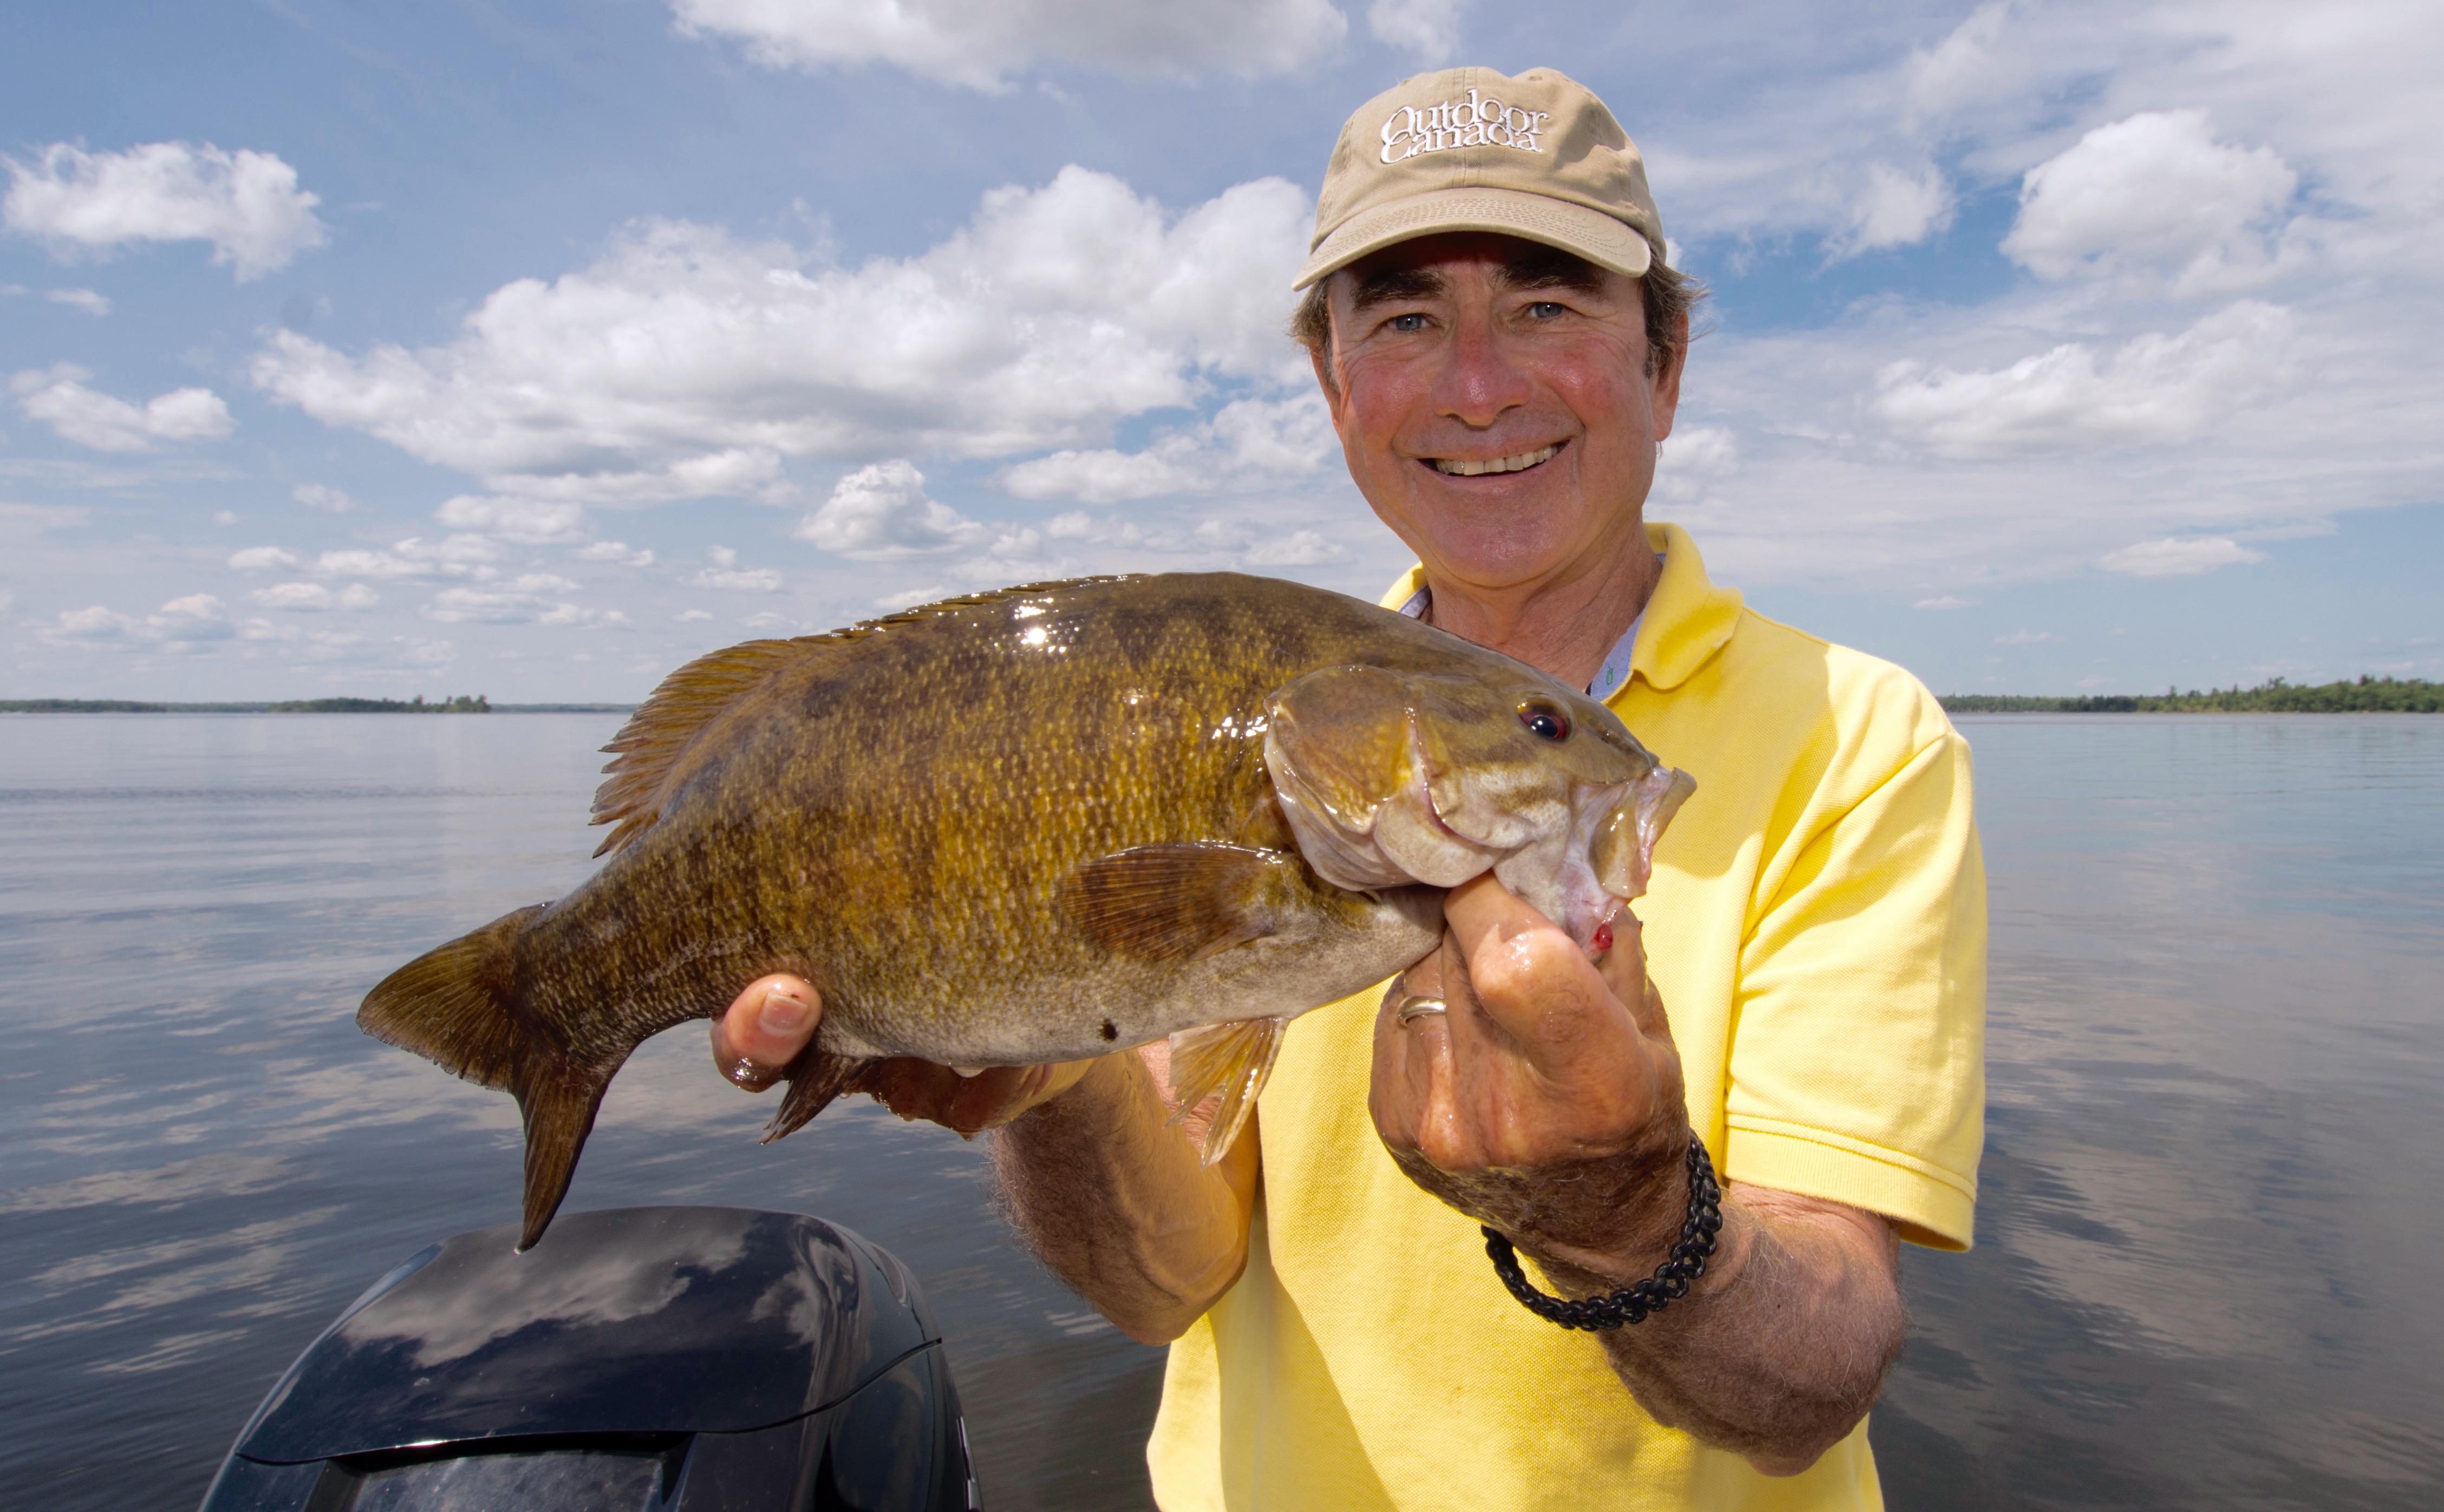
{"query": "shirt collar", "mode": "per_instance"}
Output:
(1610, 679)
(1685, 621)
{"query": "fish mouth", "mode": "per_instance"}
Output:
(1461, 468)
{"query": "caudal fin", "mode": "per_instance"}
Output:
(458, 1008)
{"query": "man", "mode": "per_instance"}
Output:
(1500, 345)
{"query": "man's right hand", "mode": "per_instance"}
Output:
(764, 1029)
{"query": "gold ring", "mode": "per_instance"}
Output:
(1414, 1007)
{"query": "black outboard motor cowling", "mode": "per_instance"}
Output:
(638, 1359)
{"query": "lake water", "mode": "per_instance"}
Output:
(2213, 1187)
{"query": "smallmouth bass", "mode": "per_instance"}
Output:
(1040, 824)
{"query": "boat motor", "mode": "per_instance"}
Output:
(638, 1359)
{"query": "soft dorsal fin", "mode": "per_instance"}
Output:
(648, 747)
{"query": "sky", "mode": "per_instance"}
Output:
(531, 349)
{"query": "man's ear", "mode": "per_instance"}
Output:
(1325, 380)
(1667, 382)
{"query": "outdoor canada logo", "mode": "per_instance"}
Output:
(1454, 123)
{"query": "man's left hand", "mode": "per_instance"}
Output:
(1547, 1100)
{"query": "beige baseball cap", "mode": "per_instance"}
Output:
(1472, 150)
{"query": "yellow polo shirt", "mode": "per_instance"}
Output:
(1817, 928)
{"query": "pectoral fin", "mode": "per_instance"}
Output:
(1234, 1060)
(1174, 904)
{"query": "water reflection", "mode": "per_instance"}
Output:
(2213, 1153)
(2213, 1183)
(205, 1161)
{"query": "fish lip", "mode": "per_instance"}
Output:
(1425, 768)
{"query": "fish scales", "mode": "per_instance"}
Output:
(1023, 827)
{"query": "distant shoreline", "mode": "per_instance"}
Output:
(2369, 695)
(302, 706)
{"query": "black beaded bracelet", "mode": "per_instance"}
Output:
(1631, 1303)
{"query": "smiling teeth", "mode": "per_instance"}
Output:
(1518, 464)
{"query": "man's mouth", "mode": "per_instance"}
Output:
(1454, 467)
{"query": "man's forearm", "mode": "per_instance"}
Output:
(1114, 1201)
(1783, 1346)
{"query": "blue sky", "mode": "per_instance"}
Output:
(531, 349)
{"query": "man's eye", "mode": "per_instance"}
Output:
(1406, 323)
(1546, 309)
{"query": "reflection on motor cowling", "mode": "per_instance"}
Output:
(660, 1359)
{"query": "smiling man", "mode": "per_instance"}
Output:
(1501, 345)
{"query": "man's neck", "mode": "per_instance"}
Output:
(1563, 627)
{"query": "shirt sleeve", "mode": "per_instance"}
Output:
(1856, 1068)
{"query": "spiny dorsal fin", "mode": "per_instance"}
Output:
(648, 747)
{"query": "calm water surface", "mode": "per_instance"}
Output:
(2214, 1179)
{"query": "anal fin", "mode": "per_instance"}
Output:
(814, 1077)
(1234, 1060)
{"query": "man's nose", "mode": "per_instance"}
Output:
(1480, 381)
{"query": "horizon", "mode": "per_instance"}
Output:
(2054, 349)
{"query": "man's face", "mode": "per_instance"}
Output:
(1452, 352)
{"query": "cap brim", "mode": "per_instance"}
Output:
(1602, 239)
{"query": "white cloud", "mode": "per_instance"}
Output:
(2026, 637)
(690, 616)
(262, 559)
(457, 555)
(1256, 546)
(912, 598)
(1300, 549)
(59, 398)
(1430, 28)
(1250, 443)
(726, 576)
(2179, 556)
(191, 623)
(1961, 68)
(1692, 462)
(313, 596)
(525, 600)
(737, 471)
(246, 204)
(319, 496)
(617, 552)
(1894, 206)
(2154, 194)
(527, 522)
(1054, 313)
(1885, 206)
(2156, 390)
(1949, 601)
(81, 299)
(882, 513)
(981, 42)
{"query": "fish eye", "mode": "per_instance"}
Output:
(1544, 721)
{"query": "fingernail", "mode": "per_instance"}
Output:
(784, 1012)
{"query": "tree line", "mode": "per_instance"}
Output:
(463, 704)
(2369, 695)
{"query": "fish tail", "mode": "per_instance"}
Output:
(460, 1007)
